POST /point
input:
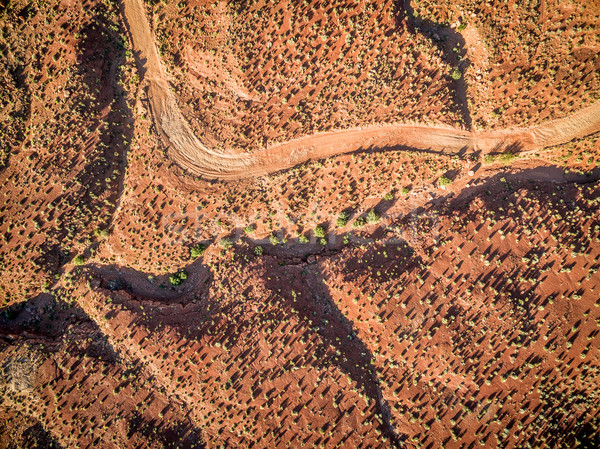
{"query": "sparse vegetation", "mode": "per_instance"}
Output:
(444, 180)
(319, 232)
(456, 74)
(342, 219)
(372, 217)
(178, 278)
(359, 222)
(225, 243)
(197, 250)
(455, 318)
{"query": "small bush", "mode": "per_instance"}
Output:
(358, 223)
(226, 243)
(303, 239)
(405, 191)
(103, 233)
(444, 180)
(79, 260)
(258, 250)
(319, 232)
(389, 196)
(197, 250)
(456, 75)
(178, 278)
(342, 219)
(372, 217)
(507, 157)
(273, 239)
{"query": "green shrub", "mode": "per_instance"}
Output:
(197, 250)
(444, 180)
(104, 233)
(319, 232)
(303, 239)
(178, 278)
(249, 229)
(273, 239)
(507, 157)
(226, 243)
(358, 223)
(405, 191)
(456, 75)
(342, 219)
(389, 196)
(258, 250)
(79, 260)
(372, 217)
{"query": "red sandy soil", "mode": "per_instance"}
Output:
(63, 179)
(195, 156)
(524, 62)
(63, 385)
(484, 332)
(250, 74)
(465, 314)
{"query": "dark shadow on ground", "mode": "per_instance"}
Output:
(517, 298)
(96, 184)
(452, 45)
(316, 304)
(55, 327)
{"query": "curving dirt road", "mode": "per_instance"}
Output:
(193, 156)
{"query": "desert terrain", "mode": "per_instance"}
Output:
(259, 224)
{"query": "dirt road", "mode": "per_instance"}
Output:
(193, 156)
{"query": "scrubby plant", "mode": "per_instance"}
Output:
(259, 250)
(372, 217)
(358, 223)
(226, 243)
(319, 232)
(79, 260)
(103, 233)
(444, 180)
(197, 250)
(178, 278)
(507, 157)
(342, 219)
